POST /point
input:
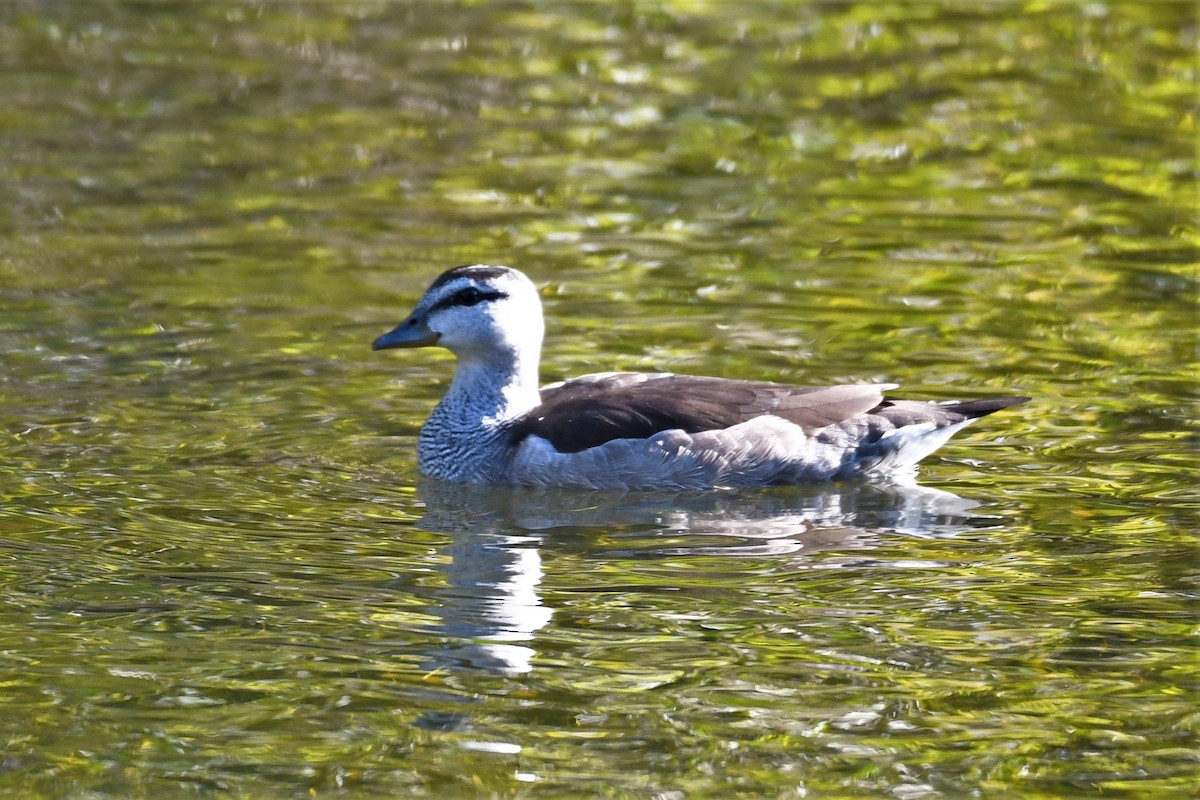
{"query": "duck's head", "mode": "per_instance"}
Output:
(477, 311)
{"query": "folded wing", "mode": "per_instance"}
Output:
(589, 411)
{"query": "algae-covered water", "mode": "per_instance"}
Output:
(220, 574)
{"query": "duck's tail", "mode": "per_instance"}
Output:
(922, 427)
(974, 409)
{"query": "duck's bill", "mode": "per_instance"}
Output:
(413, 332)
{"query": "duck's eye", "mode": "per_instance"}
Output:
(468, 297)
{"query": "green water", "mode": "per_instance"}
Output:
(221, 576)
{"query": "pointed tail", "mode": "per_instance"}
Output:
(973, 409)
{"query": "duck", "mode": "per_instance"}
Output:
(642, 431)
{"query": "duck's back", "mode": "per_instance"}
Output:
(635, 430)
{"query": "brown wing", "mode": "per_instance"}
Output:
(590, 411)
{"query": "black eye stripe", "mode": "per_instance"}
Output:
(470, 296)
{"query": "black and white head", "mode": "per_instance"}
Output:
(477, 312)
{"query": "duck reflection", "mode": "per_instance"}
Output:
(491, 607)
(491, 602)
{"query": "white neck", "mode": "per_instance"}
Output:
(494, 387)
(465, 437)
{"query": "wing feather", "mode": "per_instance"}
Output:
(589, 411)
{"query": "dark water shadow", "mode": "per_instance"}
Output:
(491, 606)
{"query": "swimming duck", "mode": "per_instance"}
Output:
(629, 430)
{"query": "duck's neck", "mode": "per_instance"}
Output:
(493, 389)
(466, 436)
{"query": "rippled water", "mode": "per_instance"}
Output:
(220, 573)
